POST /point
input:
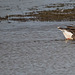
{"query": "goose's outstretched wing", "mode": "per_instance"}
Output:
(71, 27)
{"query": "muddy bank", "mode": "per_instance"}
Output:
(51, 12)
(54, 15)
(50, 15)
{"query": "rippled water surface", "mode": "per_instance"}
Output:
(34, 47)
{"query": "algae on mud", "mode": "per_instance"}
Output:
(50, 15)
(54, 15)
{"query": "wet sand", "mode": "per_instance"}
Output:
(35, 48)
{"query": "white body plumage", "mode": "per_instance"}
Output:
(68, 35)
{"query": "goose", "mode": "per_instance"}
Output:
(68, 32)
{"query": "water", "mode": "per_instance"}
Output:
(8, 7)
(34, 47)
